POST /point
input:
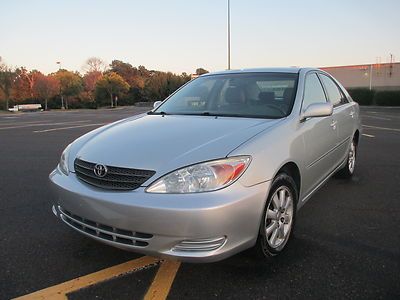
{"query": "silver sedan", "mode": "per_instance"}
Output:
(221, 165)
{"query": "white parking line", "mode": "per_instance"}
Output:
(382, 128)
(43, 124)
(23, 123)
(375, 117)
(70, 127)
(368, 135)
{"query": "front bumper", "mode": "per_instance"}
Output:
(197, 227)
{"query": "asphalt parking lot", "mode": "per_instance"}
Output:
(346, 243)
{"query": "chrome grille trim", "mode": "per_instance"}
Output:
(200, 245)
(135, 239)
(117, 178)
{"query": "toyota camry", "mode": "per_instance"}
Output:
(221, 165)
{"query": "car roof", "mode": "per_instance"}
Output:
(292, 70)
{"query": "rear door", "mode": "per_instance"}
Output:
(343, 112)
(319, 137)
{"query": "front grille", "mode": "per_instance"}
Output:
(116, 178)
(105, 232)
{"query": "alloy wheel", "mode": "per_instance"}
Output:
(352, 157)
(279, 217)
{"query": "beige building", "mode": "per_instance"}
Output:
(376, 76)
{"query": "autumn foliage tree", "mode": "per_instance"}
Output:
(160, 85)
(113, 84)
(45, 87)
(94, 64)
(7, 76)
(89, 82)
(133, 76)
(23, 84)
(99, 85)
(201, 71)
(21, 89)
(71, 84)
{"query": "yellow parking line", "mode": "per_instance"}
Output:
(162, 283)
(59, 291)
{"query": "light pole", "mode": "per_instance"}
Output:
(370, 77)
(229, 34)
(62, 97)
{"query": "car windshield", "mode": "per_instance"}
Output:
(251, 95)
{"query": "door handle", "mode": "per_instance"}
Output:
(352, 114)
(333, 124)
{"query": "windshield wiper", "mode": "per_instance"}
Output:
(207, 113)
(204, 113)
(163, 113)
(211, 114)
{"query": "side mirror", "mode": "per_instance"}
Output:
(317, 110)
(157, 104)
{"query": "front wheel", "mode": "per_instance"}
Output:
(279, 216)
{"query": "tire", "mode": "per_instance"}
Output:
(348, 170)
(278, 217)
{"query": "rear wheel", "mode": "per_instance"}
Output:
(279, 216)
(348, 169)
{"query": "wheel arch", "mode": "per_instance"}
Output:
(356, 136)
(292, 169)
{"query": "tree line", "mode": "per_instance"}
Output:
(118, 83)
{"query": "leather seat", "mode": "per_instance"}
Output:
(235, 95)
(287, 96)
(266, 97)
(235, 99)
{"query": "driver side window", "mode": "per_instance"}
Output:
(313, 91)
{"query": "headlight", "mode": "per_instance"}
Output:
(63, 164)
(203, 177)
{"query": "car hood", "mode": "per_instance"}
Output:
(165, 143)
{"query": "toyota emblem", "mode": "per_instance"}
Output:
(100, 170)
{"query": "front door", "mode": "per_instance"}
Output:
(344, 115)
(319, 137)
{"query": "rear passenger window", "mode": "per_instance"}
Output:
(335, 96)
(313, 92)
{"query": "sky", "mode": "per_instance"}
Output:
(182, 35)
